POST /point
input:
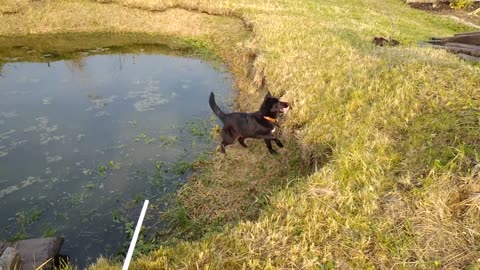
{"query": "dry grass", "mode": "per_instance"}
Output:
(252, 174)
(13, 6)
(400, 125)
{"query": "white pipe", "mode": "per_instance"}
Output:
(135, 236)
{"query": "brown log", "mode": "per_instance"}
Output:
(468, 33)
(469, 57)
(461, 45)
(431, 45)
(473, 39)
(437, 41)
(472, 52)
(458, 50)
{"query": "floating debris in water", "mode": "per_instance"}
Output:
(15, 144)
(6, 135)
(48, 170)
(150, 97)
(79, 163)
(45, 137)
(25, 79)
(80, 137)
(29, 129)
(42, 124)
(51, 159)
(30, 181)
(47, 101)
(4, 150)
(99, 102)
(8, 114)
(102, 113)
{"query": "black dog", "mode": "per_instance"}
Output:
(258, 125)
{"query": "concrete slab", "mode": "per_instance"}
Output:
(35, 252)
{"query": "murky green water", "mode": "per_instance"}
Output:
(81, 139)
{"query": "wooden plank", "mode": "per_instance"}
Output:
(452, 49)
(467, 33)
(437, 41)
(472, 52)
(461, 45)
(469, 57)
(473, 39)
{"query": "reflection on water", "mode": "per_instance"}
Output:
(80, 138)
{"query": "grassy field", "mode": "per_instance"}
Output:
(382, 165)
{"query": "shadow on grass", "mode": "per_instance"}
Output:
(228, 189)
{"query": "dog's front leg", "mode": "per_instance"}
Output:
(268, 142)
(279, 143)
(241, 140)
(222, 148)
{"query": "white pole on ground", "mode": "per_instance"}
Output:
(135, 236)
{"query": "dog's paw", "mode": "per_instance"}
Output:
(273, 152)
(279, 143)
(221, 149)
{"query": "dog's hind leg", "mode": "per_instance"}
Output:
(227, 139)
(268, 142)
(224, 144)
(279, 143)
(241, 140)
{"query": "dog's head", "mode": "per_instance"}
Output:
(272, 106)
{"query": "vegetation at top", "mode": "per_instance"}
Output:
(382, 167)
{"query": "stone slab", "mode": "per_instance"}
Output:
(34, 252)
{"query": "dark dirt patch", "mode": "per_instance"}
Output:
(444, 9)
(382, 41)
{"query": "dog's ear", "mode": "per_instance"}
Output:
(268, 95)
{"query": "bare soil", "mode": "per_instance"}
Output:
(444, 9)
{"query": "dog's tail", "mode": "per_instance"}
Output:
(215, 107)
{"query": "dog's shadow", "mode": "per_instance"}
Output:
(237, 186)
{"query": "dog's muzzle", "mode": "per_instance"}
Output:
(285, 107)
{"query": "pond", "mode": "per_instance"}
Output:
(84, 138)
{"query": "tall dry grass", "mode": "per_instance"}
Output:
(399, 189)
